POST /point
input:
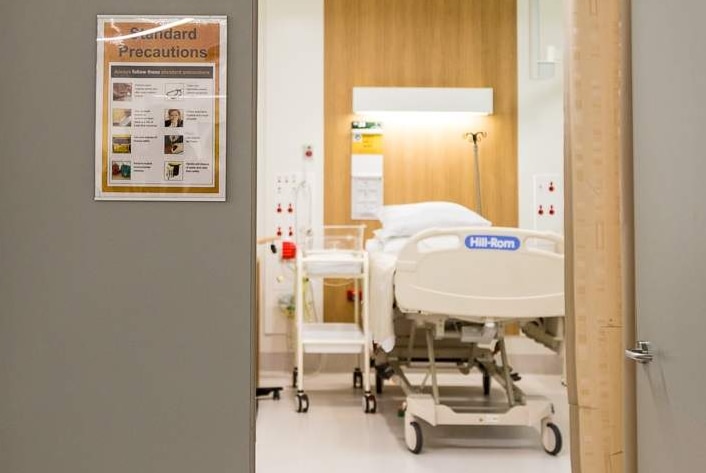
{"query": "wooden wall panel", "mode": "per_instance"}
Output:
(598, 229)
(422, 43)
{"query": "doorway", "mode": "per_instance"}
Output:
(291, 136)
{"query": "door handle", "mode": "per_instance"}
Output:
(641, 353)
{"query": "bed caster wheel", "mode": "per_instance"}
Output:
(276, 395)
(486, 384)
(295, 373)
(369, 404)
(413, 436)
(357, 379)
(551, 439)
(302, 403)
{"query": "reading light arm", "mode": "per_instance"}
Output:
(475, 138)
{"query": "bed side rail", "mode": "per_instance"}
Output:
(484, 272)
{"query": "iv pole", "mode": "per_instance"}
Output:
(476, 138)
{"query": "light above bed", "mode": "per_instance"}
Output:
(375, 100)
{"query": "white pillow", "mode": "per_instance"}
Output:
(408, 219)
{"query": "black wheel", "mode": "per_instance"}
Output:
(379, 383)
(295, 372)
(302, 403)
(415, 443)
(551, 439)
(369, 404)
(299, 402)
(357, 378)
(486, 384)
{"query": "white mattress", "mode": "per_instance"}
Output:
(393, 246)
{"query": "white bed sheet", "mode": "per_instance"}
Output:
(381, 297)
(383, 259)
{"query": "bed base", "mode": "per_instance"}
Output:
(517, 411)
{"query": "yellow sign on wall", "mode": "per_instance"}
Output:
(366, 138)
(366, 144)
(366, 170)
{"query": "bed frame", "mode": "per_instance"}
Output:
(461, 296)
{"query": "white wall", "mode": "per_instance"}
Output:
(540, 112)
(290, 115)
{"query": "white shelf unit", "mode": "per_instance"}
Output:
(336, 253)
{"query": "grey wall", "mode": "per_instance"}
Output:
(124, 326)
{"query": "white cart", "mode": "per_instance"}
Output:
(337, 253)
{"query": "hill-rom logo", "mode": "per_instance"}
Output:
(492, 242)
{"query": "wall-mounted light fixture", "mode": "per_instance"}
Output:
(475, 101)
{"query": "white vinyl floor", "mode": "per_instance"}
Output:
(335, 436)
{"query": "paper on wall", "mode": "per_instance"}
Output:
(366, 170)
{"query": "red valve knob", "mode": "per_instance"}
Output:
(289, 250)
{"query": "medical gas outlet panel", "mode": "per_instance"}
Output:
(287, 215)
(290, 192)
(548, 203)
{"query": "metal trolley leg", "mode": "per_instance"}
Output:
(369, 401)
(302, 400)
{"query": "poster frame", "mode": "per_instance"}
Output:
(105, 187)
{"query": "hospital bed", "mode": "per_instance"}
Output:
(446, 295)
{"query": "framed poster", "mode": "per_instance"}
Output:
(161, 108)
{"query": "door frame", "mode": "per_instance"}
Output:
(599, 236)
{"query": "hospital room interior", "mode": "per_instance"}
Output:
(410, 236)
